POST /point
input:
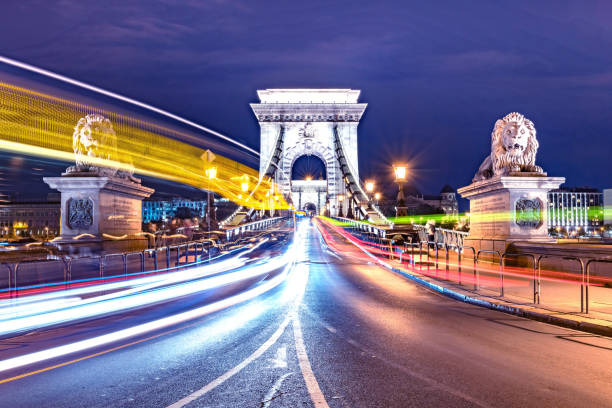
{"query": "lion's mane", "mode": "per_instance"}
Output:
(94, 138)
(501, 162)
(504, 161)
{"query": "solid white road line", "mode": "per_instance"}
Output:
(311, 382)
(270, 394)
(220, 380)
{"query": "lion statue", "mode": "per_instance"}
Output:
(513, 148)
(94, 139)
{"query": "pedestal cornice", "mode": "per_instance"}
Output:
(511, 182)
(118, 185)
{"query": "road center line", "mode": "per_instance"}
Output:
(220, 380)
(298, 288)
(270, 394)
(311, 382)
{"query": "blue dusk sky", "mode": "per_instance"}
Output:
(436, 74)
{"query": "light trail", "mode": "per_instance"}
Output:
(67, 305)
(109, 283)
(122, 98)
(487, 272)
(287, 259)
(135, 298)
(37, 357)
(39, 124)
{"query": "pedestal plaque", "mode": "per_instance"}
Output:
(98, 208)
(510, 208)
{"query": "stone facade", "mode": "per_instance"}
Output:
(99, 205)
(508, 208)
(308, 119)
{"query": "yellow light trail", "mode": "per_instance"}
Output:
(39, 124)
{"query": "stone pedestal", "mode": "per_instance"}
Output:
(95, 209)
(505, 209)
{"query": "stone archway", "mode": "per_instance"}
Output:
(310, 209)
(298, 122)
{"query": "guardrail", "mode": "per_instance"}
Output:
(442, 236)
(431, 250)
(363, 226)
(450, 237)
(26, 274)
(259, 225)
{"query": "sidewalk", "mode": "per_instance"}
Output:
(594, 322)
(560, 297)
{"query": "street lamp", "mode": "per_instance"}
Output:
(369, 188)
(401, 173)
(211, 174)
(350, 205)
(340, 201)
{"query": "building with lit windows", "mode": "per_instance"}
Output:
(20, 219)
(575, 209)
(163, 210)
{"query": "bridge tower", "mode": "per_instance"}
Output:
(312, 122)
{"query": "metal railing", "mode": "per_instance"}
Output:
(441, 235)
(27, 274)
(363, 226)
(532, 271)
(260, 225)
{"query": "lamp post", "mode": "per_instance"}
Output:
(401, 172)
(350, 205)
(377, 198)
(369, 188)
(211, 174)
(340, 200)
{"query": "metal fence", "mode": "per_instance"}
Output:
(242, 230)
(506, 274)
(363, 227)
(15, 277)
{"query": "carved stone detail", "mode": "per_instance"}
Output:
(513, 149)
(95, 149)
(528, 213)
(80, 213)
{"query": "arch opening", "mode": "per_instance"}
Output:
(308, 167)
(310, 209)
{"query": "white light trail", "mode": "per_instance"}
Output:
(110, 94)
(37, 304)
(124, 301)
(98, 341)
(288, 258)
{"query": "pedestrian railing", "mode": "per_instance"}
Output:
(509, 272)
(260, 225)
(15, 277)
(363, 226)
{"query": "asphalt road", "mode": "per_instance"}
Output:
(340, 332)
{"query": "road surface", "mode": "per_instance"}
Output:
(340, 332)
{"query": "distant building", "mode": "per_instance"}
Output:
(30, 218)
(419, 204)
(576, 209)
(163, 210)
(607, 202)
(447, 200)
